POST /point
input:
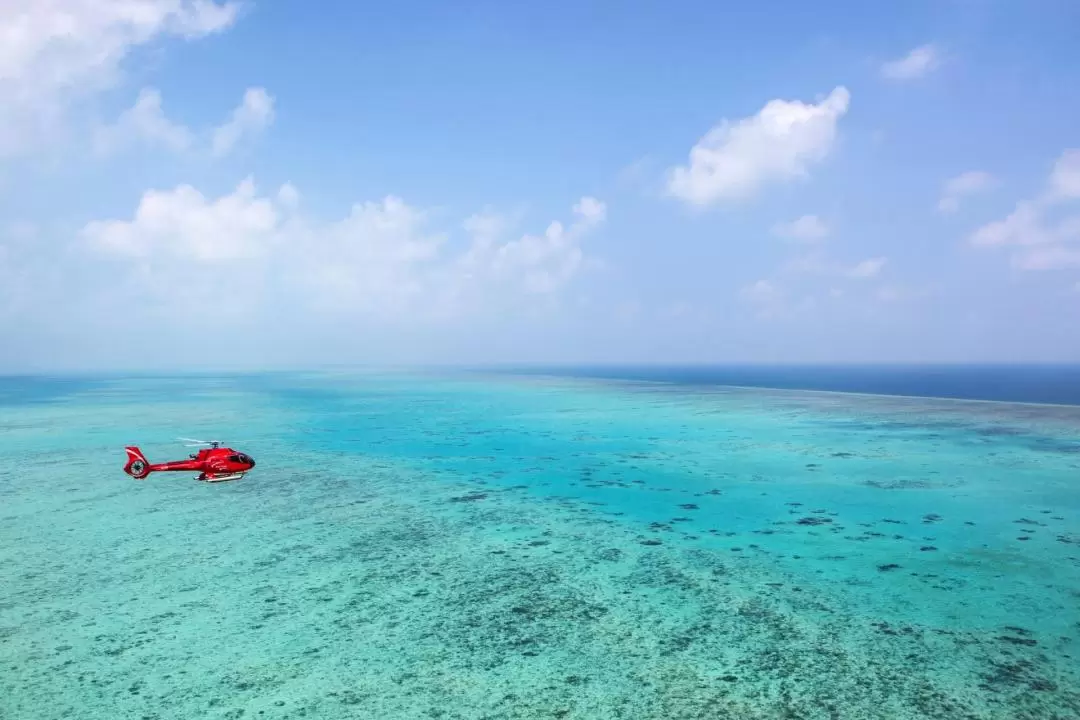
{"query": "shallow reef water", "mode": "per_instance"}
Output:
(467, 546)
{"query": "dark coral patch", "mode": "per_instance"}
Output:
(813, 521)
(1018, 640)
(471, 497)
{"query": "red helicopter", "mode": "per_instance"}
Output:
(214, 464)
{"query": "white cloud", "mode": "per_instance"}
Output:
(917, 63)
(591, 210)
(790, 291)
(867, 268)
(288, 196)
(770, 300)
(808, 228)
(963, 185)
(55, 52)
(251, 117)
(1048, 258)
(378, 261)
(1023, 226)
(533, 263)
(1043, 242)
(182, 223)
(765, 297)
(815, 263)
(733, 161)
(381, 261)
(146, 122)
(485, 227)
(760, 291)
(1065, 177)
(948, 204)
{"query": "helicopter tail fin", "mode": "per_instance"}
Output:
(137, 466)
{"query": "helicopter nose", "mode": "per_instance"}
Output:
(251, 462)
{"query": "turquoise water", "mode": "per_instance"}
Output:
(526, 547)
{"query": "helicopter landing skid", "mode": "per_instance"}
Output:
(220, 478)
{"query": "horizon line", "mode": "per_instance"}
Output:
(512, 365)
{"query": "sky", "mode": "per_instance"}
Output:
(252, 184)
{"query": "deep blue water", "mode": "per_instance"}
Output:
(1053, 384)
(1048, 384)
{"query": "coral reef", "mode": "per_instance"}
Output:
(419, 547)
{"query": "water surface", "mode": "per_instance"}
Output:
(469, 546)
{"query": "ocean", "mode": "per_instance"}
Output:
(545, 543)
(1043, 384)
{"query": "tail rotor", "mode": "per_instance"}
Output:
(137, 465)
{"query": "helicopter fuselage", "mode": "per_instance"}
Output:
(213, 464)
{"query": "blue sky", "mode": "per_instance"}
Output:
(257, 184)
